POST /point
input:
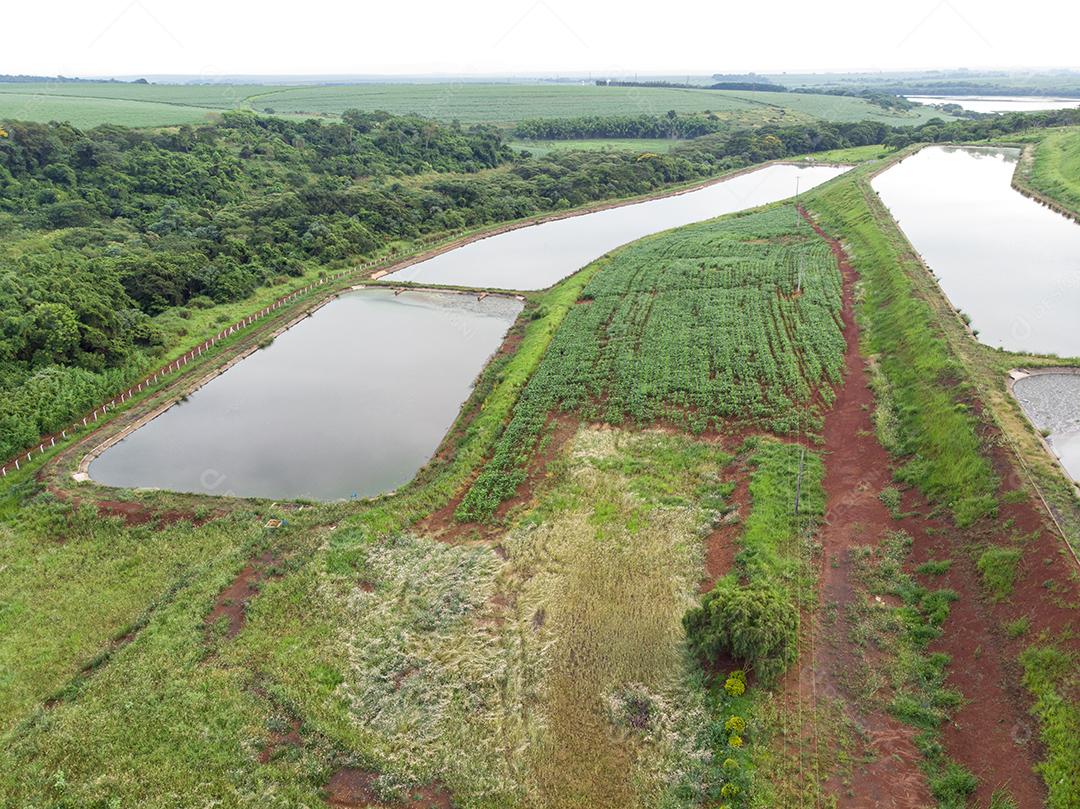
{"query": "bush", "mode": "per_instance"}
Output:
(754, 623)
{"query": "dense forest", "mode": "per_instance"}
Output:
(113, 237)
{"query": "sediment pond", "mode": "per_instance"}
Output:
(1009, 263)
(537, 256)
(1051, 401)
(353, 400)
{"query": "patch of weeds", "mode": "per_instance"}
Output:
(1052, 675)
(1001, 799)
(998, 569)
(1020, 626)
(934, 567)
(919, 696)
(952, 786)
(1014, 496)
(890, 496)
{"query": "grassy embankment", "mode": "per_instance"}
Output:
(1052, 169)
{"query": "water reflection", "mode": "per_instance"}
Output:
(536, 257)
(1011, 264)
(354, 399)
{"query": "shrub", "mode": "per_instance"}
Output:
(755, 623)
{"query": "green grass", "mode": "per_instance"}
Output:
(1055, 170)
(998, 569)
(539, 148)
(853, 154)
(770, 547)
(55, 562)
(1050, 675)
(919, 418)
(703, 326)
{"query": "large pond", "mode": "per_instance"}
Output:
(350, 401)
(537, 256)
(1052, 402)
(1011, 264)
(1001, 103)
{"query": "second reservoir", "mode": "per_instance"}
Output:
(537, 256)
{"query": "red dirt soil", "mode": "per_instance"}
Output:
(856, 470)
(133, 513)
(720, 545)
(991, 734)
(356, 788)
(232, 602)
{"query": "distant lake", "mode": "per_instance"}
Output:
(1001, 103)
(354, 399)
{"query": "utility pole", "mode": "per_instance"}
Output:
(796, 203)
(798, 481)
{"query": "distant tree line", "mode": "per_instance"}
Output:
(717, 138)
(1067, 88)
(7, 78)
(671, 125)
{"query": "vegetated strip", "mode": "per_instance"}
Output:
(1048, 171)
(915, 374)
(749, 623)
(917, 416)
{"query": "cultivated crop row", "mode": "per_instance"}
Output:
(731, 321)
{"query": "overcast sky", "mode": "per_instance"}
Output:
(214, 37)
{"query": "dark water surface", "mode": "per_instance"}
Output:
(537, 256)
(354, 399)
(1008, 262)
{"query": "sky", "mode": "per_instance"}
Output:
(206, 38)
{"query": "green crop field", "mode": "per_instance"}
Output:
(544, 147)
(88, 111)
(509, 103)
(736, 319)
(88, 104)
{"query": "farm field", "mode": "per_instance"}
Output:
(738, 515)
(88, 104)
(711, 323)
(90, 111)
(545, 147)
